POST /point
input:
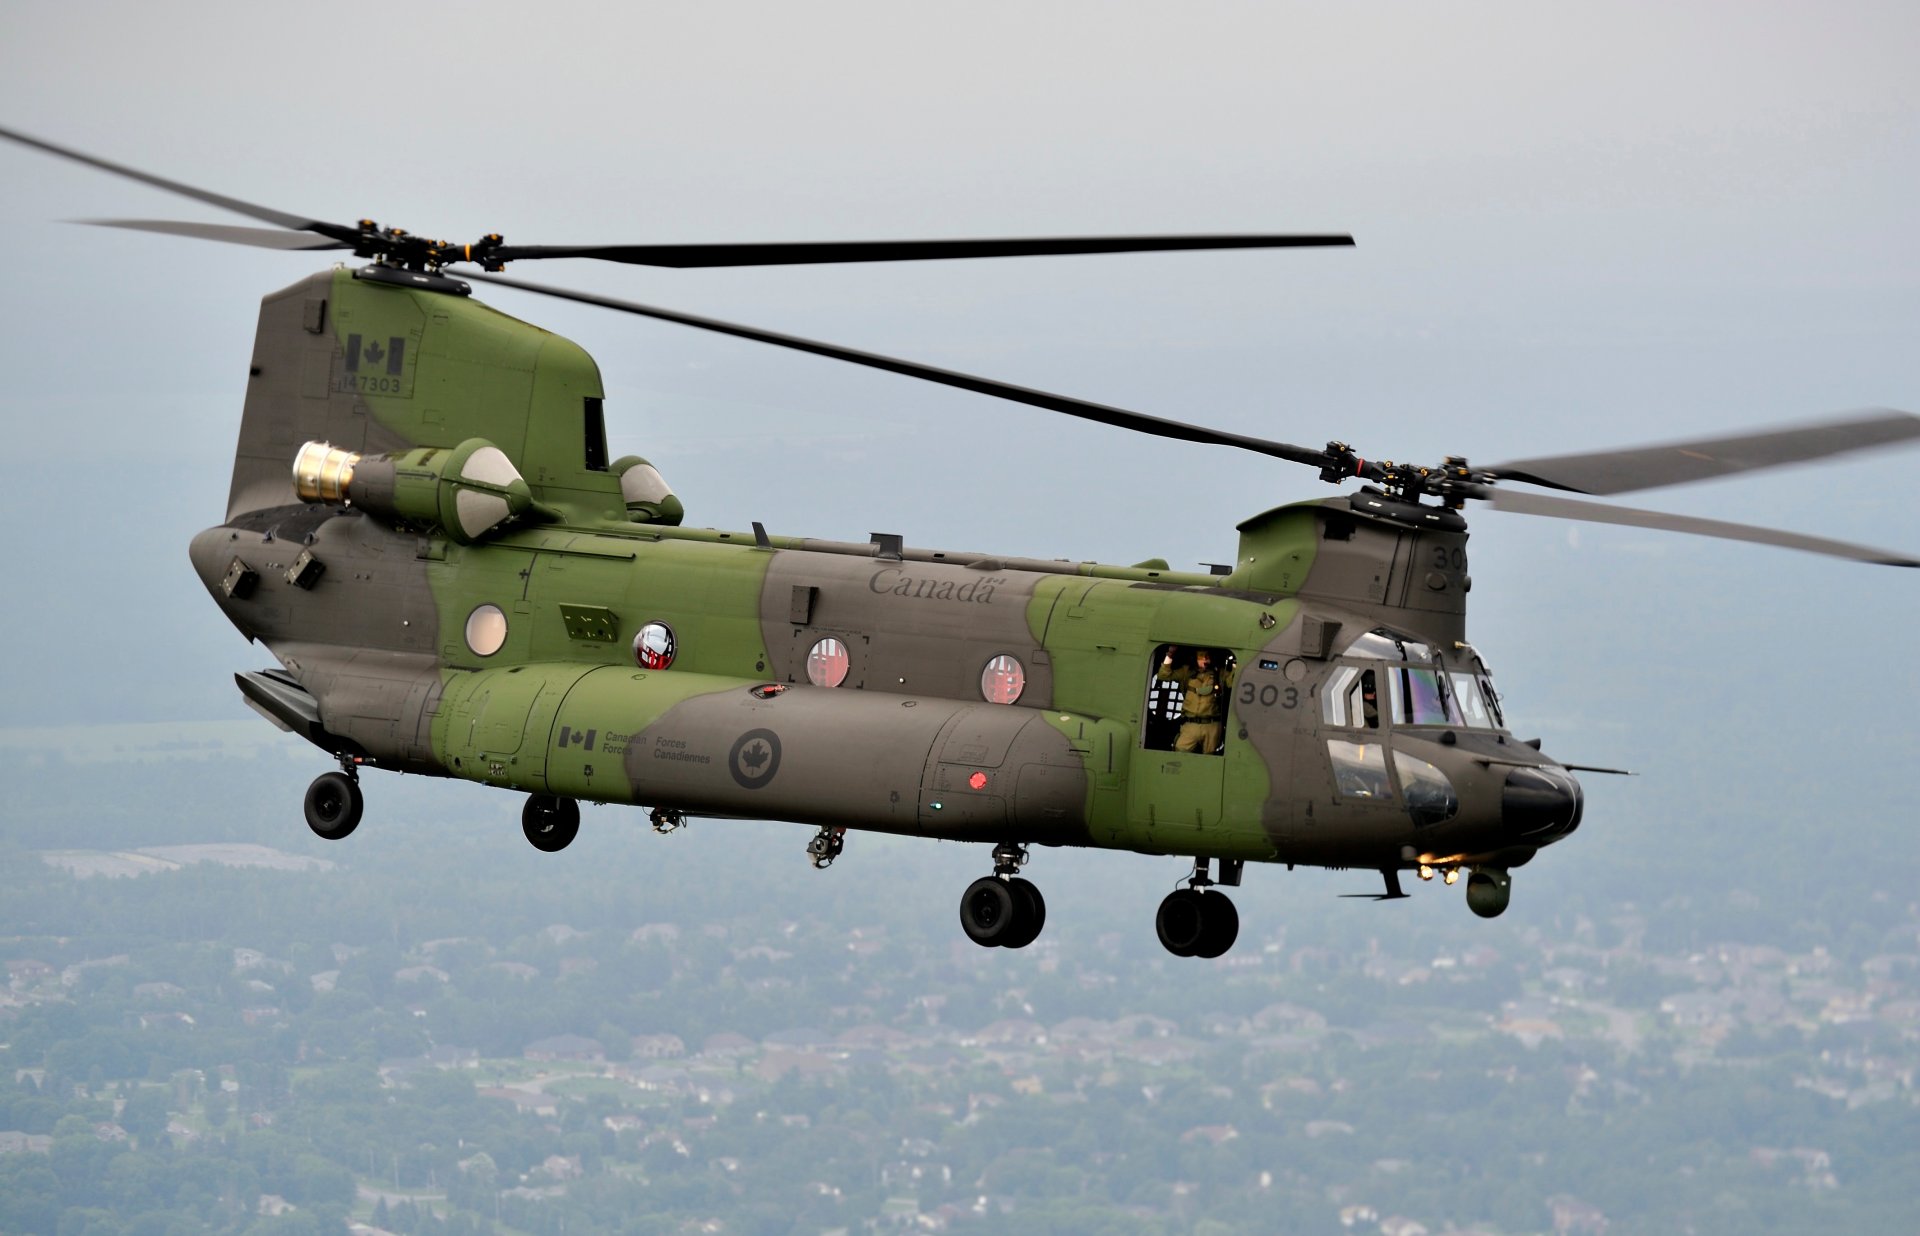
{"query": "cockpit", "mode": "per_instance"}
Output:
(1385, 680)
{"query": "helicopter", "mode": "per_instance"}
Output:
(427, 530)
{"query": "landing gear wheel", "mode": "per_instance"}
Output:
(1196, 922)
(1029, 913)
(1181, 922)
(666, 819)
(1223, 925)
(550, 823)
(989, 912)
(1488, 892)
(333, 805)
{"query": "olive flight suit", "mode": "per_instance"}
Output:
(1203, 705)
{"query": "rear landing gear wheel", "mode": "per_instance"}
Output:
(333, 805)
(550, 823)
(1197, 922)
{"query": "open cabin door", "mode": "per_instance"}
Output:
(1179, 772)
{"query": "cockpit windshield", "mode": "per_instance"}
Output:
(1422, 687)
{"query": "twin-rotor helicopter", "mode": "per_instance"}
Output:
(428, 531)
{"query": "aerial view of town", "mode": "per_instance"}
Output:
(432, 1028)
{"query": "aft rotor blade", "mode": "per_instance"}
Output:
(1632, 517)
(1086, 410)
(266, 214)
(1677, 463)
(258, 237)
(820, 252)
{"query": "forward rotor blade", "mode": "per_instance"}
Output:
(1677, 463)
(266, 214)
(1633, 517)
(818, 252)
(1086, 410)
(258, 237)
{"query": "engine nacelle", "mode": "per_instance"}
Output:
(467, 491)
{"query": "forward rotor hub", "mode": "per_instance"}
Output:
(399, 247)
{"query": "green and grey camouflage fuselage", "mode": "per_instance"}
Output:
(471, 603)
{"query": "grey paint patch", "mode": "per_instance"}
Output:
(917, 628)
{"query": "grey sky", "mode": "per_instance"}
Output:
(1579, 225)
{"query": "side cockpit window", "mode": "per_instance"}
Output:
(1188, 690)
(1352, 698)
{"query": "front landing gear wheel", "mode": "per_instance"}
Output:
(1197, 922)
(1029, 913)
(998, 912)
(334, 805)
(1223, 926)
(988, 912)
(550, 823)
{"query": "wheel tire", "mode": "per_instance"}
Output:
(1030, 913)
(1222, 925)
(1487, 895)
(333, 805)
(1182, 922)
(989, 912)
(550, 823)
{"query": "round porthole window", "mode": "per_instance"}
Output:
(486, 630)
(654, 646)
(827, 663)
(1003, 680)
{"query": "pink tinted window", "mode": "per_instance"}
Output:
(827, 663)
(1003, 680)
(654, 646)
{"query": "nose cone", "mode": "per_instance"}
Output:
(1541, 804)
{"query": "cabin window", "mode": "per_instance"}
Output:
(827, 663)
(1420, 687)
(1360, 770)
(1429, 795)
(1188, 690)
(486, 630)
(1003, 680)
(596, 435)
(654, 646)
(1472, 703)
(1423, 697)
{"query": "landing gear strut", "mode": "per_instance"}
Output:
(1003, 910)
(334, 803)
(666, 819)
(825, 846)
(1198, 921)
(550, 823)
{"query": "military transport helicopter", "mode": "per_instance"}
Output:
(428, 531)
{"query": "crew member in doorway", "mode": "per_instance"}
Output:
(1203, 704)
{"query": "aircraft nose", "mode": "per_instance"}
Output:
(1543, 803)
